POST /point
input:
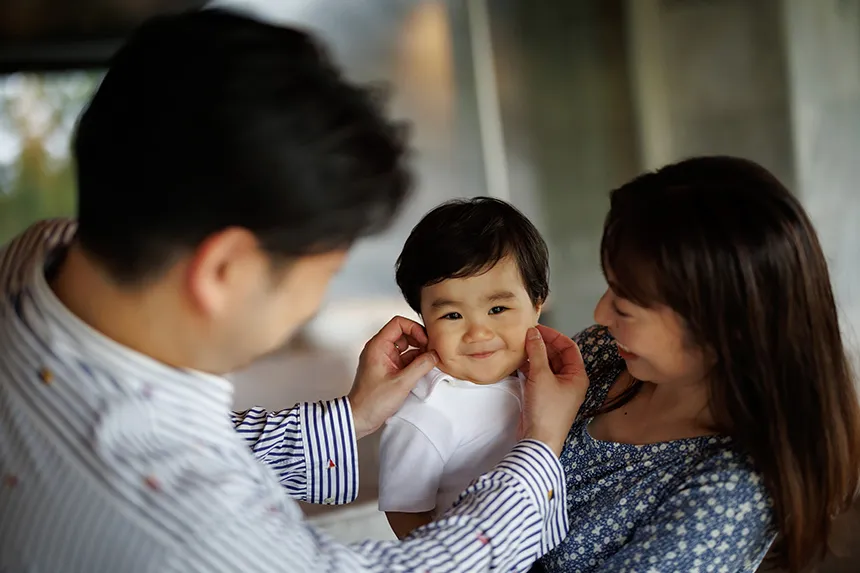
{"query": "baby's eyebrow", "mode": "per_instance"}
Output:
(494, 297)
(501, 295)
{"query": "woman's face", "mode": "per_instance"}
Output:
(652, 341)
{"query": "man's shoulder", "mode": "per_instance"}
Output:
(19, 255)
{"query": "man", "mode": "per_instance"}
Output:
(224, 169)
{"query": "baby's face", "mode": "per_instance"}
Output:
(477, 325)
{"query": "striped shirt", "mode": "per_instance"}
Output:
(113, 462)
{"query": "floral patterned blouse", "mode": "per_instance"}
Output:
(694, 505)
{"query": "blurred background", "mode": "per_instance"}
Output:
(547, 104)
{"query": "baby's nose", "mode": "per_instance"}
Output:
(478, 332)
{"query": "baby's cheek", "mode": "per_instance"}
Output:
(444, 353)
(519, 355)
(438, 342)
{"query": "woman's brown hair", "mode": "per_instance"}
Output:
(724, 244)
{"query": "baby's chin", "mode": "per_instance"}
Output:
(479, 375)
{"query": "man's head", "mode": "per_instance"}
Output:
(477, 271)
(232, 160)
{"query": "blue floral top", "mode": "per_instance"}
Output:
(691, 505)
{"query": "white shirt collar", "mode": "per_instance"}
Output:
(58, 327)
(429, 382)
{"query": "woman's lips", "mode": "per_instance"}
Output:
(624, 352)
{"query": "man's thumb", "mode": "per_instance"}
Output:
(536, 350)
(423, 364)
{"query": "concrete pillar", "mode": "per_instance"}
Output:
(565, 99)
(823, 54)
(710, 78)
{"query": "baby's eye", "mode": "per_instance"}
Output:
(452, 316)
(498, 309)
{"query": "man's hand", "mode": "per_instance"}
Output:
(555, 386)
(388, 370)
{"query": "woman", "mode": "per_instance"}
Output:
(721, 418)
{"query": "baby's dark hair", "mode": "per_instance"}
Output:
(467, 237)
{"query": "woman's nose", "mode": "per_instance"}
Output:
(603, 311)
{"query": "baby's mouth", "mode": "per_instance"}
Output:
(481, 355)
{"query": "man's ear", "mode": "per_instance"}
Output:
(218, 266)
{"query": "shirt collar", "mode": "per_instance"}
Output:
(67, 334)
(428, 383)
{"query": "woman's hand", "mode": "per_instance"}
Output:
(555, 386)
(388, 370)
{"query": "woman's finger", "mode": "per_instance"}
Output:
(562, 352)
(524, 367)
(555, 341)
(571, 362)
(536, 351)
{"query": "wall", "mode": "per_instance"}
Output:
(823, 54)
(567, 109)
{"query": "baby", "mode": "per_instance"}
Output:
(477, 272)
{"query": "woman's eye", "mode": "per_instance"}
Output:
(452, 316)
(498, 309)
(618, 311)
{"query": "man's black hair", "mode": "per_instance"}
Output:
(466, 237)
(209, 120)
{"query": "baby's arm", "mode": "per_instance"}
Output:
(410, 468)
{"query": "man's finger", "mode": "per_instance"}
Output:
(400, 331)
(402, 344)
(397, 327)
(420, 366)
(412, 330)
(416, 342)
(407, 357)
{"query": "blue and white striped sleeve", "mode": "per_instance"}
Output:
(504, 522)
(311, 447)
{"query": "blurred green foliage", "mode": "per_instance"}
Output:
(37, 118)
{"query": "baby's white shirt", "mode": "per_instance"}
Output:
(446, 434)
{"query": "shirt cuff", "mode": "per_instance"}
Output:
(534, 465)
(331, 452)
